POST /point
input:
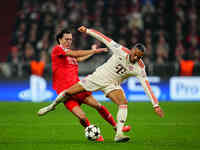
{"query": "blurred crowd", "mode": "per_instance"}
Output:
(169, 29)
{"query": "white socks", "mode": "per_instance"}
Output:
(121, 118)
(59, 98)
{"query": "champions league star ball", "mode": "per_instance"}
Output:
(92, 132)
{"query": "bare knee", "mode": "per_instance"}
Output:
(98, 106)
(125, 102)
(118, 97)
(67, 93)
(121, 102)
(118, 101)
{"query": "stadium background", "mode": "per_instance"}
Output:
(169, 29)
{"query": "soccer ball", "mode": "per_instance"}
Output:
(92, 132)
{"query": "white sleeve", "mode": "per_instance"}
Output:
(112, 45)
(147, 88)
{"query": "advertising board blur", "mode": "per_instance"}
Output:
(185, 88)
(38, 90)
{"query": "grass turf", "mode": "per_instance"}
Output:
(21, 128)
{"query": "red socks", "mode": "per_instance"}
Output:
(103, 111)
(85, 122)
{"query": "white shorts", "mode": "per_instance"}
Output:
(91, 85)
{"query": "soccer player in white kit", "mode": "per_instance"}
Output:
(108, 77)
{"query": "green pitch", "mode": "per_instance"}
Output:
(22, 129)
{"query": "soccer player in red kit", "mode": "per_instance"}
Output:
(65, 74)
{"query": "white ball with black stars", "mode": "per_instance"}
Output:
(92, 132)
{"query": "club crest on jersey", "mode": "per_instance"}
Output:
(130, 68)
(120, 58)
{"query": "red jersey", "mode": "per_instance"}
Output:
(64, 68)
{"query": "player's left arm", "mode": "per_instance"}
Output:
(148, 90)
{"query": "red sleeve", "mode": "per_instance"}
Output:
(58, 51)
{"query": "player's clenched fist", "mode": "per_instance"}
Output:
(82, 29)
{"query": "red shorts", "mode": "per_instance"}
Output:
(76, 100)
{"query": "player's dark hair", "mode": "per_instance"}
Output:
(60, 34)
(140, 47)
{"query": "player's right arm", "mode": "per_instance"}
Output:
(82, 53)
(82, 58)
(115, 47)
(58, 51)
(148, 90)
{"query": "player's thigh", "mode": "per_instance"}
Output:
(90, 84)
(117, 96)
(74, 106)
(91, 101)
(74, 89)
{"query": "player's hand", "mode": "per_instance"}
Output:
(159, 111)
(99, 50)
(82, 29)
(94, 46)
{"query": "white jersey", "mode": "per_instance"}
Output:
(119, 67)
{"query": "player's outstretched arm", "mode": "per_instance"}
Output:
(147, 88)
(96, 34)
(93, 47)
(80, 53)
(99, 50)
(112, 45)
(82, 58)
